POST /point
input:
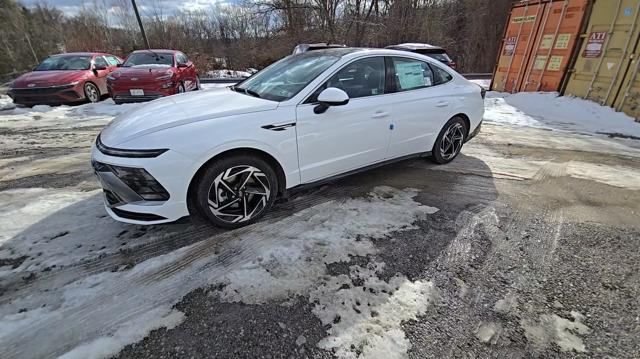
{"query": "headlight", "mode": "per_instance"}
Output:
(166, 76)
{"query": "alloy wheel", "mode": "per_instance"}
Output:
(452, 141)
(91, 91)
(238, 194)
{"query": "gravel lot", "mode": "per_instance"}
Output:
(525, 246)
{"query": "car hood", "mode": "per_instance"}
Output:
(141, 71)
(48, 78)
(179, 110)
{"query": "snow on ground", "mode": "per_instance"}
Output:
(548, 110)
(266, 261)
(215, 85)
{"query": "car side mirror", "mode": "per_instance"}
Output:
(331, 96)
(119, 65)
(99, 67)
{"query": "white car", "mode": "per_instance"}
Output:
(306, 119)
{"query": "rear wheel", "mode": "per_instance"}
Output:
(91, 92)
(236, 191)
(449, 141)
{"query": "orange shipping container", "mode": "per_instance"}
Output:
(539, 43)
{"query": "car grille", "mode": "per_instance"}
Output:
(128, 98)
(39, 90)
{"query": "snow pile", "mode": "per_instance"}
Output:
(366, 319)
(548, 110)
(103, 312)
(228, 74)
(6, 103)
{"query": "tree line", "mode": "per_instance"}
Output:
(252, 33)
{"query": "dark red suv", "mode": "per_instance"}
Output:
(149, 74)
(64, 79)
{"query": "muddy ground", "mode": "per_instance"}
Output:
(533, 252)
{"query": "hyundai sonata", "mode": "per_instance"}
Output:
(305, 119)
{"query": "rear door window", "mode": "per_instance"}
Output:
(112, 60)
(411, 74)
(440, 75)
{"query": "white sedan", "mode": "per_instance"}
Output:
(308, 118)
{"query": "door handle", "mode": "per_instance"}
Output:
(442, 104)
(380, 114)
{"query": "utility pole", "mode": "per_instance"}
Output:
(144, 35)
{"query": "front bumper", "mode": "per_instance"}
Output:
(171, 170)
(122, 94)
(58, 95)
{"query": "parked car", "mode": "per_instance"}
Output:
(434, 52)
(65, 79)
(301, 48)
(150, 74)
(304, 120)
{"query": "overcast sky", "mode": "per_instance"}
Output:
(168, 7)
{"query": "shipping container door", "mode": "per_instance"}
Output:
(516, 46)
(628, 97)
(605, 57)
(560, 26)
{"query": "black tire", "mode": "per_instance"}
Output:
(198, 87)
(181, 88)
(231, 206)
(449, 141)
(92, 92)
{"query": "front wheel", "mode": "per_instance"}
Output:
(91, 92)
(236, 191)
(181, 88)
(449, 141)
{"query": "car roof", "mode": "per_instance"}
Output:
(80, 54)
(416, 46)
(156, 50)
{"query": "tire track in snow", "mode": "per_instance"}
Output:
(159, 286)
(55, 279)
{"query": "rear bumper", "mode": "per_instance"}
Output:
(475, 132)
(58, 95)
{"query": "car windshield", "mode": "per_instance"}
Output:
(149, 58)
(65, 63)
(284, 79)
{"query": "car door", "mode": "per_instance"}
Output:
(186, 71)
(101, 75)
(350, 136)
(422, 104)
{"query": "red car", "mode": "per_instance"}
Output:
(64, 79)
(149, 74)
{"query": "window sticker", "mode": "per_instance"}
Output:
(410, 75)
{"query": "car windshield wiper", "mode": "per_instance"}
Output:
(247, 91)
